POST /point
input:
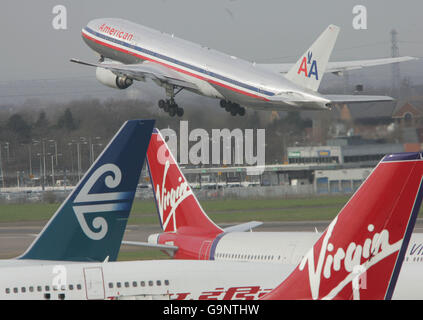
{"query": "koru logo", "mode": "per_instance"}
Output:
(309, 66)
(96, 201)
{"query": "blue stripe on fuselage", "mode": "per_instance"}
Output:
(214, 245)
(179, 63)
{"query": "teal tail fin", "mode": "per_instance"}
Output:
(90, 224)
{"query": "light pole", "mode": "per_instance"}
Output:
(18, 176)
(55, 149)
(83, 140)
(71, 157)
(52, 167)
(41, 171)
(79, 160)
(92, 153)
(7, 147)
(44, 160)
(78, 154)
(1, 168)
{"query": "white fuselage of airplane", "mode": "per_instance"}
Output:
(214, 74)
(285, 247)
(161, 280)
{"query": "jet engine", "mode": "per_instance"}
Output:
(108, 78)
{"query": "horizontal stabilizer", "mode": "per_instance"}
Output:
(338, 67)
(170, 250)
(150, 245)
(243, 227)
(334, 98)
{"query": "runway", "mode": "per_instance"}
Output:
(15, 238)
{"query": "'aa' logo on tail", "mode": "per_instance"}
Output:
(309, 66)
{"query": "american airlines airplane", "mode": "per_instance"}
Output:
(188, 233)
(359, 256)
(129, 52)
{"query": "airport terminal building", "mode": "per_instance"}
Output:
(340, 166)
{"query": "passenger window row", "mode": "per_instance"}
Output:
(42, 288)
(134, 284)
(414, 259)
(246, 256)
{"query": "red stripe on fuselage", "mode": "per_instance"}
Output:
(172, 67)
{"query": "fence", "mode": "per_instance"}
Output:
(256, 192)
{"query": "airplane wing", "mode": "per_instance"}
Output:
(339, 67)
(140, 71)
(243, 227)
(356, 98)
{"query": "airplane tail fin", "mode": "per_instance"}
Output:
(309, 70)
(360, 254)
(90, 223)
(176, 203)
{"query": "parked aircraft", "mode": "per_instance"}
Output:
(71, 257)
(188, 233)
(129, 52)
(359, 256)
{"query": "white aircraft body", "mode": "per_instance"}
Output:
(234, 243)
(129, 52)
(141, 280)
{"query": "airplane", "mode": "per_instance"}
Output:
(188, 232)
(335, 256)
(129, 52)
(359, 256)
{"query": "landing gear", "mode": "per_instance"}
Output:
(232, 108)
(171, 107)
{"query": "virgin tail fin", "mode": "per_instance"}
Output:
(360, 254)
(176, 203)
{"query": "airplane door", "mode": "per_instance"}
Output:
(94, 283)
(205, 250)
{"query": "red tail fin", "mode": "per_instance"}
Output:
(176, 203)
(360, 254)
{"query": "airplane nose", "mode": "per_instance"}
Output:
(95, 24)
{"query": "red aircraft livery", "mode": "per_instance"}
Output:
(181, 216)
(360, 254)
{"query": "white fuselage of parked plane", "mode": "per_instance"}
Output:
(285, 247)
(161, 280)
(213, 73)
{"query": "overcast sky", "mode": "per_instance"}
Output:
(265, 31)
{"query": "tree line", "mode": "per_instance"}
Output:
(37, 140)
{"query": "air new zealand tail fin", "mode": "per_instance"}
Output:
(90, 223)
